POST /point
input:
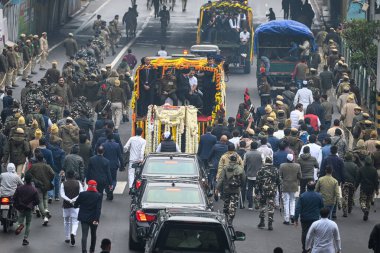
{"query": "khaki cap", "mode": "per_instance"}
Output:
(334, 50)
(279, 97)
(22, 35)
(294, 130)
(71, 34)
(268, 109)
(19, 130)
(117, 83)
(265, 128)
(368, 122)
(279, 102)
(357, 108)
(108, 66)
(270, 119)
(365, 115)
(346, 88)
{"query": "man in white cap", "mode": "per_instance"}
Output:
(71, 46)
(304, 96)
(44, 46)
(290, 174)
(167, 144)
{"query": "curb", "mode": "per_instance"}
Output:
(80, 11)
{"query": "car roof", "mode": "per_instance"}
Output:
(171, 154)
(177, 183)
(193, 219)
(173, 214)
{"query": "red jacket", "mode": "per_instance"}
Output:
(313, 121)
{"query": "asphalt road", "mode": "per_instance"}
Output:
(115, 214)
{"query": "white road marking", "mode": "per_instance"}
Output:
(120, 186)
(84, 24)
(124, 50)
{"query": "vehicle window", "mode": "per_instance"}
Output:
(169, 167)
(194, 237)
(175, 195)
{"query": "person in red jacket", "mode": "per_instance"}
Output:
(314, 120)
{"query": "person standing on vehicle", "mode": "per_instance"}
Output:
(285, 6)
(267, 181)
(99, 170)
(70, 190)
(9, 181)
(253, 161)
(167, 145)
(90, 205)
(308, 207)
(136, 148)
(299, 73)
(42, 175)
(271, 15)
(323, 235)
(231, 179)
(290, 174)
(25, 199)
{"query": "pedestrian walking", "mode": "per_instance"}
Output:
(136, 148)
(130, 59)
(329, 189)
(351, 172)
(216, 153)
(112, 152)
(268, 181)
(290, 174)
(253, 161)
(374, 242)
(24, 199)
(232, 177)
(70, 45)
(99, 170)
(105, 245)
(323, 235)
(369, 184)
(225, 159)
(42, 175)
(69, 191)
(74, 162)
(206, 142)
(308, 165)
(117, 98)
(308, 207)
(90, 204)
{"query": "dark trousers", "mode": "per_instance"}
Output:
(305, 228)
(251, 185)
(85, 227)
(303, 184)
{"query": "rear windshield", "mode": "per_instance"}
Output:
(193, 238)
(170, 167)
(173, 195)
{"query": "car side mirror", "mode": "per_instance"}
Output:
(239, 236)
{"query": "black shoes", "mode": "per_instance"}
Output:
(286, 223)
(25, 242)
(365, 216)
(261, 224)
(67, 241)
(72, 239)
(270, 227)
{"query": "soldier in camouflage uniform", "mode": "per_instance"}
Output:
(231, 179)
(36, 115)
(369, 184)
(267, 181)
(351, 171)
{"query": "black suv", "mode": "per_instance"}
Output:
(170, 166)
(191, 231)
(154, 196)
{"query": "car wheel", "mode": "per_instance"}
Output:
(131, 243)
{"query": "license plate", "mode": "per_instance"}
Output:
(4, 207)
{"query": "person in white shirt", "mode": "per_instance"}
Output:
(323, 235)
(136, 147)
(235, 23)
(304, 96)
(279, 134)
(235, 138)
(244, 36)
(264, 149)
(305, 47)
(162, 52)
(296, 115)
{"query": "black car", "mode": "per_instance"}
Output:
(154, 196)
(191, 231)
(170, 166)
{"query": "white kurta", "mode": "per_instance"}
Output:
(323, 237)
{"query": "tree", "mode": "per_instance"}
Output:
(362, 37)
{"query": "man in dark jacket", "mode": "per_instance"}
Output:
(42, 175)
(273, 141)
(336, 163)
(113, 154)
(307, 208)
(85, 124)
(327, 79)
(369, 184)
(25, 198)
(58, 157)
(374, 242)
(351, 171)
(85, 150)
(99, 170)
(105, 245)
(207, 141)
(220, 129)
(308, 163)
(74, 162)
(90, 205)
(167, 145)
(253, 161)
(52, 75)
(216, 153)
(48, 156)
(280, 156)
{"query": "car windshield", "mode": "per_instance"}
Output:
(193, 238)
(166, 166)
(173, 195)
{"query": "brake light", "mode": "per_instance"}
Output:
(185, 52)
(141, 216)
(138, 184)
(5, 201)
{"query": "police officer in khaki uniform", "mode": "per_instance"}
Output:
(44, 46)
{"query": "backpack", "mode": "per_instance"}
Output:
(233, 175)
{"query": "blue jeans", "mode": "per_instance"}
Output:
(332, 208)
(55, 192)
(212, 178)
